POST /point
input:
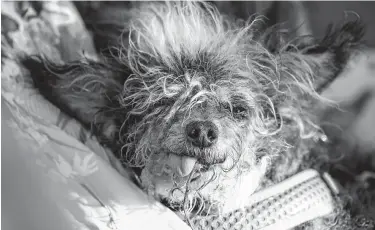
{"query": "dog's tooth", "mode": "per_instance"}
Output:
(187, 165)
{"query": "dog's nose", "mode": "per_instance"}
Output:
(202, 134)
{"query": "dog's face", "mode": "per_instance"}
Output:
(204, 136)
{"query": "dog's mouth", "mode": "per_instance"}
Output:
(182, 165)
(171, 175)
(187, 167)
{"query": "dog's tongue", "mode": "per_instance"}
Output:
(182, 164)
(187, 165)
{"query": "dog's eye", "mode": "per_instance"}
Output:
(239, 112)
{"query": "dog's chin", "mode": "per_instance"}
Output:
(221, 191)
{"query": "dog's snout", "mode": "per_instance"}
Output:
(202, 134)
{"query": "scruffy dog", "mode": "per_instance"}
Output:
(206, 109)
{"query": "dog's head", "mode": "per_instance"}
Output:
(210, 102)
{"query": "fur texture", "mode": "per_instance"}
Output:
(181, 63)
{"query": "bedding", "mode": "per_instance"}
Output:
(87, 186)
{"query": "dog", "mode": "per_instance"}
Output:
(206, 109)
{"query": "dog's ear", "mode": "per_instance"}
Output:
(325, 57)
(85, 90)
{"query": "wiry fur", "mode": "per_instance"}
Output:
(179, 62)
